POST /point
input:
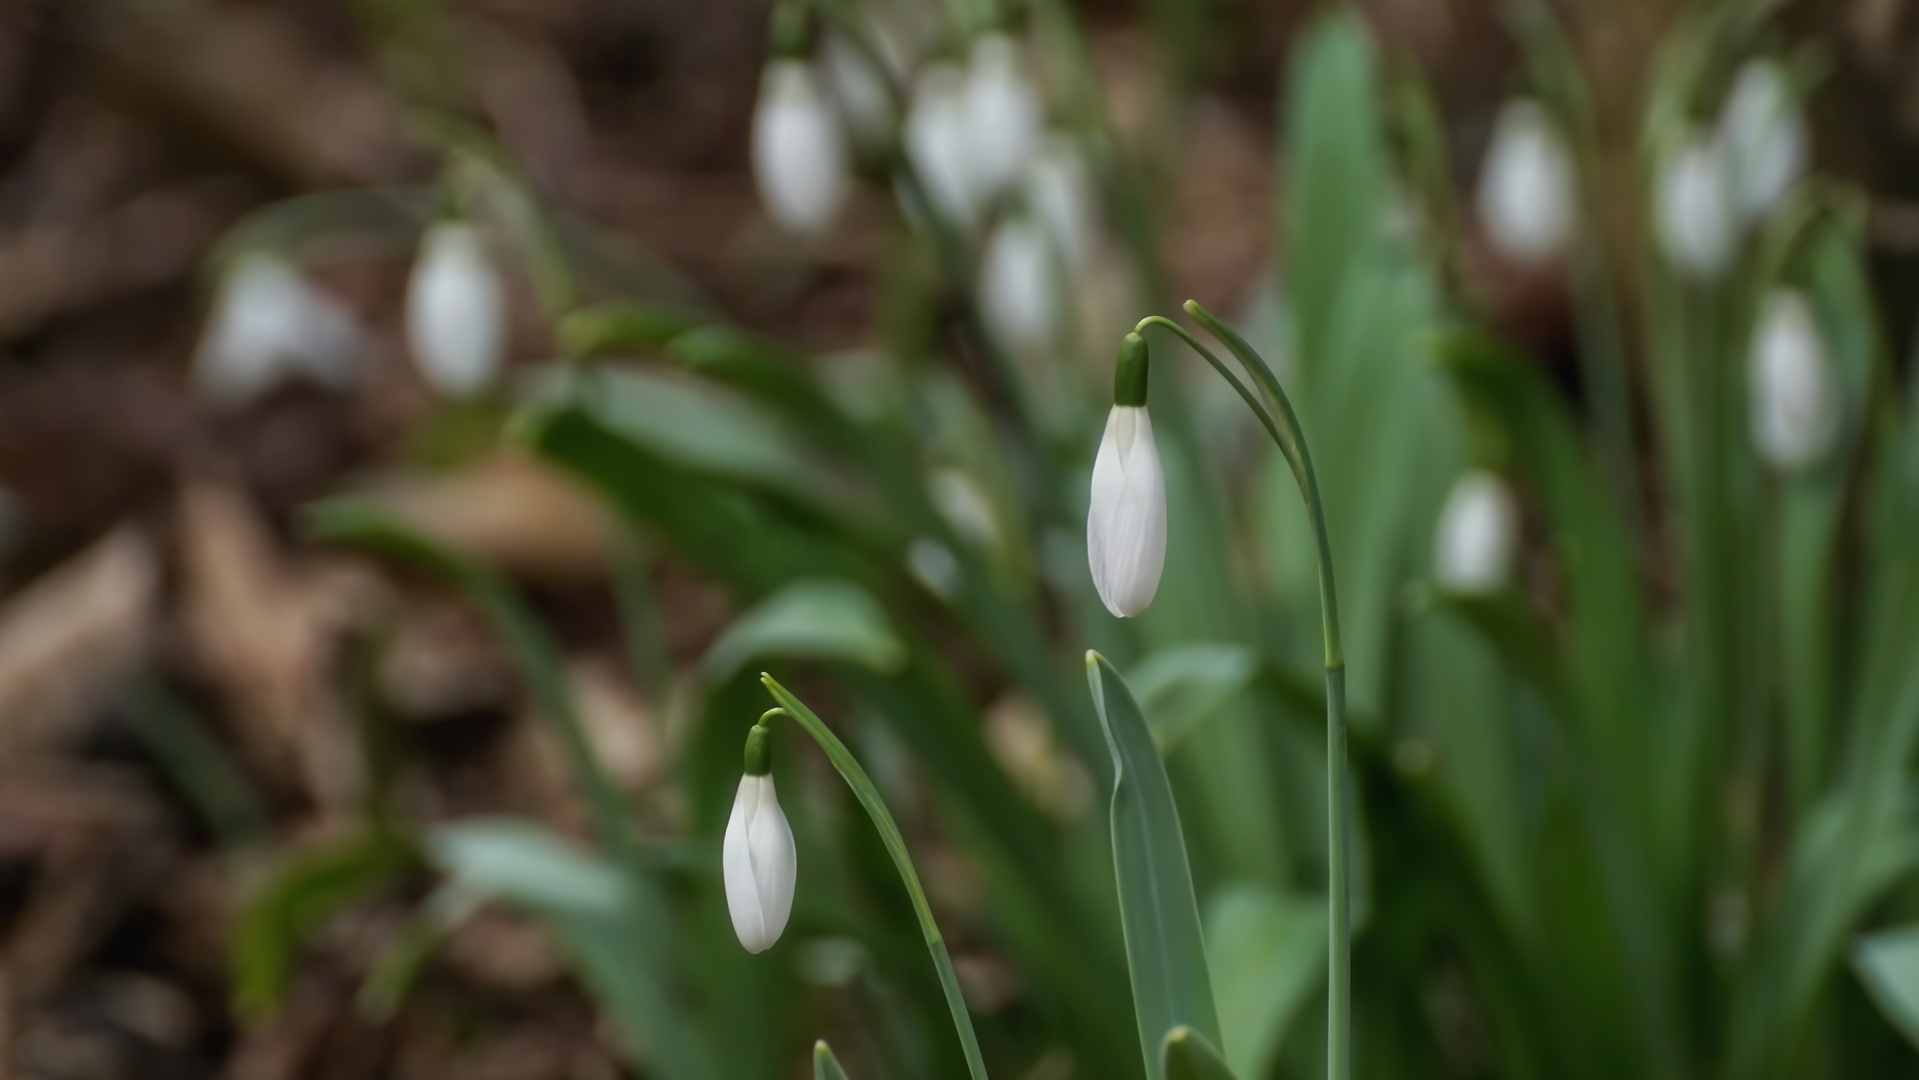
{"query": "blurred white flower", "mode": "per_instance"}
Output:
(759, 863)
(1126, 521)
(939, 144)
(1004, 115)
(1765, 138)
(859, 89)
(965, 506)
(269, 324)
(1019, 285)
(799, 155)
(1059, 193)
(1527, 198)
(455, 311)
(1795, 413)
(1478, 533)
(1696, 218)
(933, 565)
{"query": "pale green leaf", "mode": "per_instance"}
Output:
(1181, 687)
(1186, 1055)
(1268, 955)
(1888, 963)
(817, 619)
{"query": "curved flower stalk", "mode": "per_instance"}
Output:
(869, 798)
(800, 160)
(1526, 196)
(1794, 402)
(1275, 413)
(455, 311)
(1478, 530)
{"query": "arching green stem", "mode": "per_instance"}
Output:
(1282, 423)
(869, 796)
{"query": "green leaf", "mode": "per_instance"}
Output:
(1888, 963)
(405, 957)
(818, 619)
(1182, 686)
(1268, 957)
(308, 889)
(825, 1065)
(621, 328)
(526, 865)
(1186, 1055)
(1165, 950)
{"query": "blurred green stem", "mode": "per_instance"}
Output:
(1277, 416)
(869, 797)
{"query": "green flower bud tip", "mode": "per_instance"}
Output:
(1129, 374)
(759, 751)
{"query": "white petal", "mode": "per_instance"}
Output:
(759, 864)
(456, 318)
(799, 155)
(1019, 286)
(268, 324)
(1061, 197)
(1003, 115)
(1126, 518)
(1526, 193)
(1794, 404)
(1697, 219)
(938, 144)
(1478, 530)
(1765, 137)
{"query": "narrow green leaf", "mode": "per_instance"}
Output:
(526, 865)
(1888, 963)
(199, 765)
(825, 1065)
(1165, 950)
(819, 619)
(401, 963)
(1268, 957)
(1186, 1055)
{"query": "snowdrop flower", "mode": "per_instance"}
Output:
(1764, 136)
(1060, 195)
(1126, 521)
(1696, 219)
(1794, 403)
(1003, 115)
(939, 145)
(1526, 195)
(455, 311)
(799, 155)
(1018, 286)
(1478, 531)
(859, 89)
(758, 860)
(269, 324)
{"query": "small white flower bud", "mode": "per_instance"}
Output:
(1764, 136)
(799, 154)
(1019, 285)
(1795, 413)
(859, 89)
(1126, 521)
(455, 311)
(267, 325)
(760, 864)
(1478, 533)
(1697, 220)
(1060, 196)
(1527, 199)
(1003, 115)
(939, 144)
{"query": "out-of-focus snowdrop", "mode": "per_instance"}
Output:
(1060, 195)
(858, 87)
(1795, 413)
(269, 324)
(1526, 199)
(455, 311)
(965, 506)
(799, 154)
(1019, 286)
(1004, 115)
(1478, 533)
(1764, 137)
(1695, 215)
(939, 144)
(934, 565)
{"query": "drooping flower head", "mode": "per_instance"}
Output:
(1126, 517)
(758, 860)
(1478, 533)
(1795, 405)
(455, 313)
(1526, 199)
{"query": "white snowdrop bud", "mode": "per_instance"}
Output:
(456, 311)
(939, 146)
(859, 89)
(1765, 138)
(1003, 116)
(1478, 532)
(1795, 413)
(268, 324)
(1527, 200)
(799, 154)
(1126, 518)
(758, 860)
(1060, 195)
(1697, 221)
(1019, 285)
